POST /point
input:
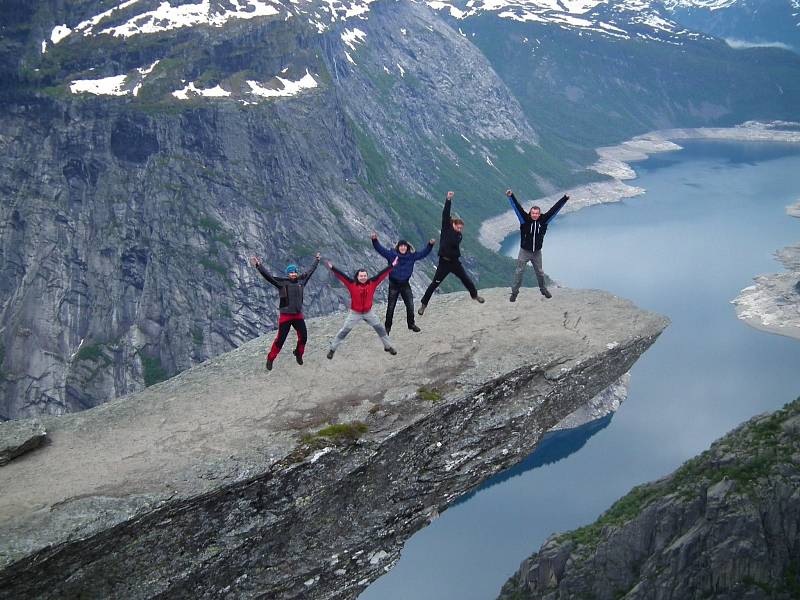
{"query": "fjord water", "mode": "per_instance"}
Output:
(710, 221)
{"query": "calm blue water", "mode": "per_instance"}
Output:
(710, 221)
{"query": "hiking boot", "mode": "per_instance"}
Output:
(268, 365)
(479, 299)
(414, 328)
(545, 292)
(298, 357)
(421, 309)
(513, 297)
(390, 350)
(330, 354)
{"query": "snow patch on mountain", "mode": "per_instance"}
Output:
(116, 85)
(173, 14)
(290, 88)
(353, 36)
(59, 33)
(744, 45)
(191, 90)
(623, 18)
(706, 4)
(107, 86)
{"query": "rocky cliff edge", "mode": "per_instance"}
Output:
(228, 481)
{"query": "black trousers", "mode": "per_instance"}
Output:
(443, 269)
(396, 289)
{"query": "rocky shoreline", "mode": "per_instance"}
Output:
(773, 303)
(724, 525)
(229, 482)
(614, 162)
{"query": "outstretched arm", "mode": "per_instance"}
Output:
(384, 252)
(256, 262)
(307, 275)
(512, 199)
(555, 208)
(425, 251)
(338, 274)
(382, 275)
(385, 273)
(446, 210)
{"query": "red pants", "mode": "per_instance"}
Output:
(286, 322)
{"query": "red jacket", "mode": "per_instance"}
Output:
(361, 294)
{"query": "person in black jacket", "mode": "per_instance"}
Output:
(532, 228)
(449, 254)
(290, 292)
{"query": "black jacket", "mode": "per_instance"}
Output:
(531, 233)
(449, 239)
(290, 292)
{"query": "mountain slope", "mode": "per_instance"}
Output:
(131, 212)
(724, 525)
(742, 22)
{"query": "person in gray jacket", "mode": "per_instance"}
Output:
(290, 292)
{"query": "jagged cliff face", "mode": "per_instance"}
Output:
(150, 147)
(724, 525)
(128, 221)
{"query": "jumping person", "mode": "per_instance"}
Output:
(532, 227)
(399, 279)
(449, 254)
(290, 292)
(362, 291)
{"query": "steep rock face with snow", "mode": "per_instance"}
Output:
(743, 23)
(592, 71)
(157, 162)
(151, 146)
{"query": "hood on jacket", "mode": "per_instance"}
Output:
(400, 243)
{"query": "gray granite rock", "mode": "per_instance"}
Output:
(217, 484)
(19, 437)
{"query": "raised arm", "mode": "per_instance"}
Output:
(384, 252)
(512, 199)
(256, 262)
(383, 274)
(446, 210)
(425, 251)
(555, 208)
(338, 274)
(307, 275)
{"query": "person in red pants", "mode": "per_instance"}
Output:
(290, 292)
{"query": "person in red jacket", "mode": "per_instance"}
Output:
(362, 292)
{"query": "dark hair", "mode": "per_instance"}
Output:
(355, 275)
(456, 221)
(534, 207)
(409, 247)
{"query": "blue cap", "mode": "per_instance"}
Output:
(291, 269)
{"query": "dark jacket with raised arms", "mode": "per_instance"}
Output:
(449, 239)
(290, 292)
(405, 262)
(532, 232)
